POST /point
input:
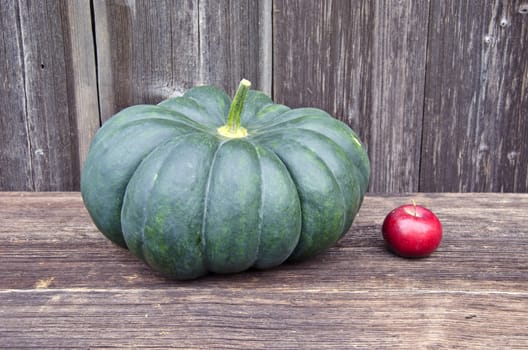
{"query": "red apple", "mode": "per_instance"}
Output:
(412, 231)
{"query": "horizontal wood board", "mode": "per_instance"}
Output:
(63, 285)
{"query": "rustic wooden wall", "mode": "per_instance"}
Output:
(48, 96)
(476, 97)
(438, 90)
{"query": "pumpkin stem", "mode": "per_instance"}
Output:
(232, 127)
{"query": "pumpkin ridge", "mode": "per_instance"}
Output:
(264, 149)
(163, 164)
(261, 213)
(145, 208)
(363, 155)
(256, 121)
(267, 132)
(343, 200)
(180, 100)
(190, 95)
(98, 153)
(310, 112)
(269, 128)
(112, 132)
(256, 101)
(357, 170)
(187, 121)
(201, 105)
(206, 200)
(294, 256)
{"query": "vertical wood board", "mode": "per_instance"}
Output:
(149, 51)
(137, 59)
(231, 37)
(15, 158)
(51, 123)
(476, 100)
(81, 70)
(321, 56)
(399, 44)
(49, 87)
(364, 62)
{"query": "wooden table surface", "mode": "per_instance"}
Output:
(63, 285)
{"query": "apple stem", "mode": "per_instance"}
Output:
(414, 204)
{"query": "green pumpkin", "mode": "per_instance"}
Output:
(198, 183)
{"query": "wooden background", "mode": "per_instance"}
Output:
(438, 90)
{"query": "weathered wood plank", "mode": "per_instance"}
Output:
(80, 68)
(231, 41)
(364, 62)
(399, 43)
(62, 284)
(50, 87)
(148, 51)
(265, 22)
(15, 158)
(485, 247)
(53, 150)
(145, 51)
(476, 99)
(321, 57)
(262, 318)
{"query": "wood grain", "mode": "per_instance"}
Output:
(80, 66)
(437, 90)
(63, 285)
(148, 51)
(53, 150)
(321, 57)
(232, 36)
(399, 43)
(364, 62)
(15, 158)
(476, 99)
(49, 87)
